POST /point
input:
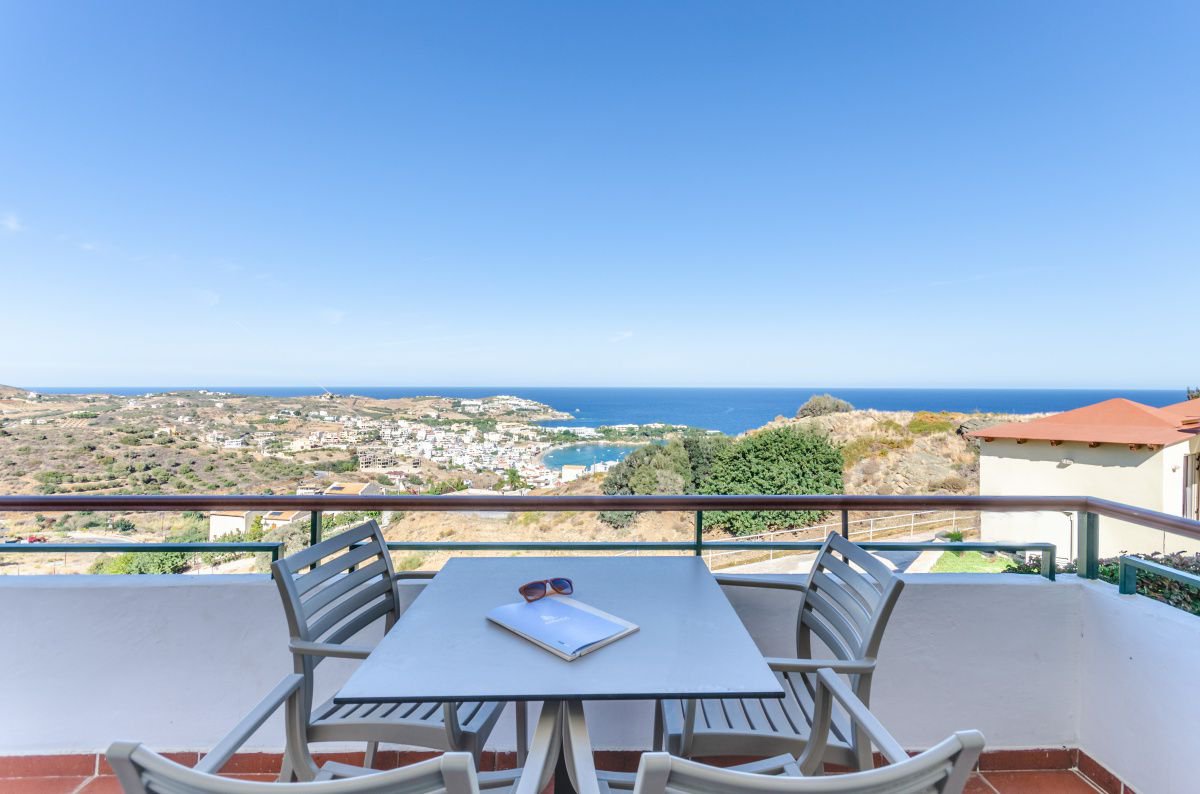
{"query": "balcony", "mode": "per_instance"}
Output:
(1061, 672)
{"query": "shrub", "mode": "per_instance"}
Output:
(872, 447)
(955, 483)
(785, 460)
(1177, 594)
(152, 562)
(652, 469)
(929, 422)
(821, 405)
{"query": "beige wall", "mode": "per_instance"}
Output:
(1139, 477)
(219, 526)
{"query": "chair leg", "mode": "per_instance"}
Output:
(522, 708)
(657, 746)
(369, 755)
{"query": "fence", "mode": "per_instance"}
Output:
(1090, 510)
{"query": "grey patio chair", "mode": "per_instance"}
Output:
(845, 603)
(352, 586)
(942, 769)
(140, 770)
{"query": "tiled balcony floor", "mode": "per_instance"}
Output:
(1038, 781)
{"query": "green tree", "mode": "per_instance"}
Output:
(1194, 393)
(702, 449)
(513, 480)
(652, 469)
(784, 460)
(822, 404)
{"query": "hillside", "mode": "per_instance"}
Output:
(906, 452)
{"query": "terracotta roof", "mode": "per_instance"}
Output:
(1188, 409)
(283, 515)
(346, 488)
(1116, 421)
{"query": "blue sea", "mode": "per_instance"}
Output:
(585, 454)
(730, 410)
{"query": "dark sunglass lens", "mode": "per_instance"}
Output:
(534, 590)
(562, 585)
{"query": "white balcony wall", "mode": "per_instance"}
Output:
(176, 661)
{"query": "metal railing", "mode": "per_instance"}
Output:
(1128, 567)
(1089, 510)
(274, 549)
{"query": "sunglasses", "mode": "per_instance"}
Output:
(532, 591)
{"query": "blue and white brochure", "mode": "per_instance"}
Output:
(561, 625)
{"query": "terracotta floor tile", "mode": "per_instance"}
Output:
(80, 764)
(977, 785)
(40, 785)
(102, 785)
(1059, 782)
(1053, 758)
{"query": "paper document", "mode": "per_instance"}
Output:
(562, 625)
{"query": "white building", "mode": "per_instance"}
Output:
(229, 522)
(1117, 449)
(279, 518)
(572, 472)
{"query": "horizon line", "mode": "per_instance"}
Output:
(91, 389)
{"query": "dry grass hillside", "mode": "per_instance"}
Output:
(906, 452)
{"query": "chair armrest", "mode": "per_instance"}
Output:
(781, 766)
(413, 575)
(335, 770)
(220, 755)
(306, 648)
(754, 581)
(846, 667)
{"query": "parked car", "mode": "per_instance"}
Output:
(36, 539)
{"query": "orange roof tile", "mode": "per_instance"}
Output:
(1115, 421)
(346, 488)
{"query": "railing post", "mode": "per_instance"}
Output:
(1049, 556)
(699, 545)
(1088, 545)
(846, 524)
(314, 529)
(1127, 578)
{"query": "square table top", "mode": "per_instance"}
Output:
(690, 642)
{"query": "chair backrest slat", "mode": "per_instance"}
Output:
(874, 567)
(357, 555)
(865, 590)
(330, 547)
(381, 608)
(849, 636)
(339, 588)
(333, 602)
(847, 602)
(846, 599)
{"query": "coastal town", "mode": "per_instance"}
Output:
(407, 444)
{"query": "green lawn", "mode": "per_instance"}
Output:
(969, 562)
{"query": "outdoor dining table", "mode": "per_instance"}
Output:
(690, 643)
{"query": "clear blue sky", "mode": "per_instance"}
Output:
(600, 193)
